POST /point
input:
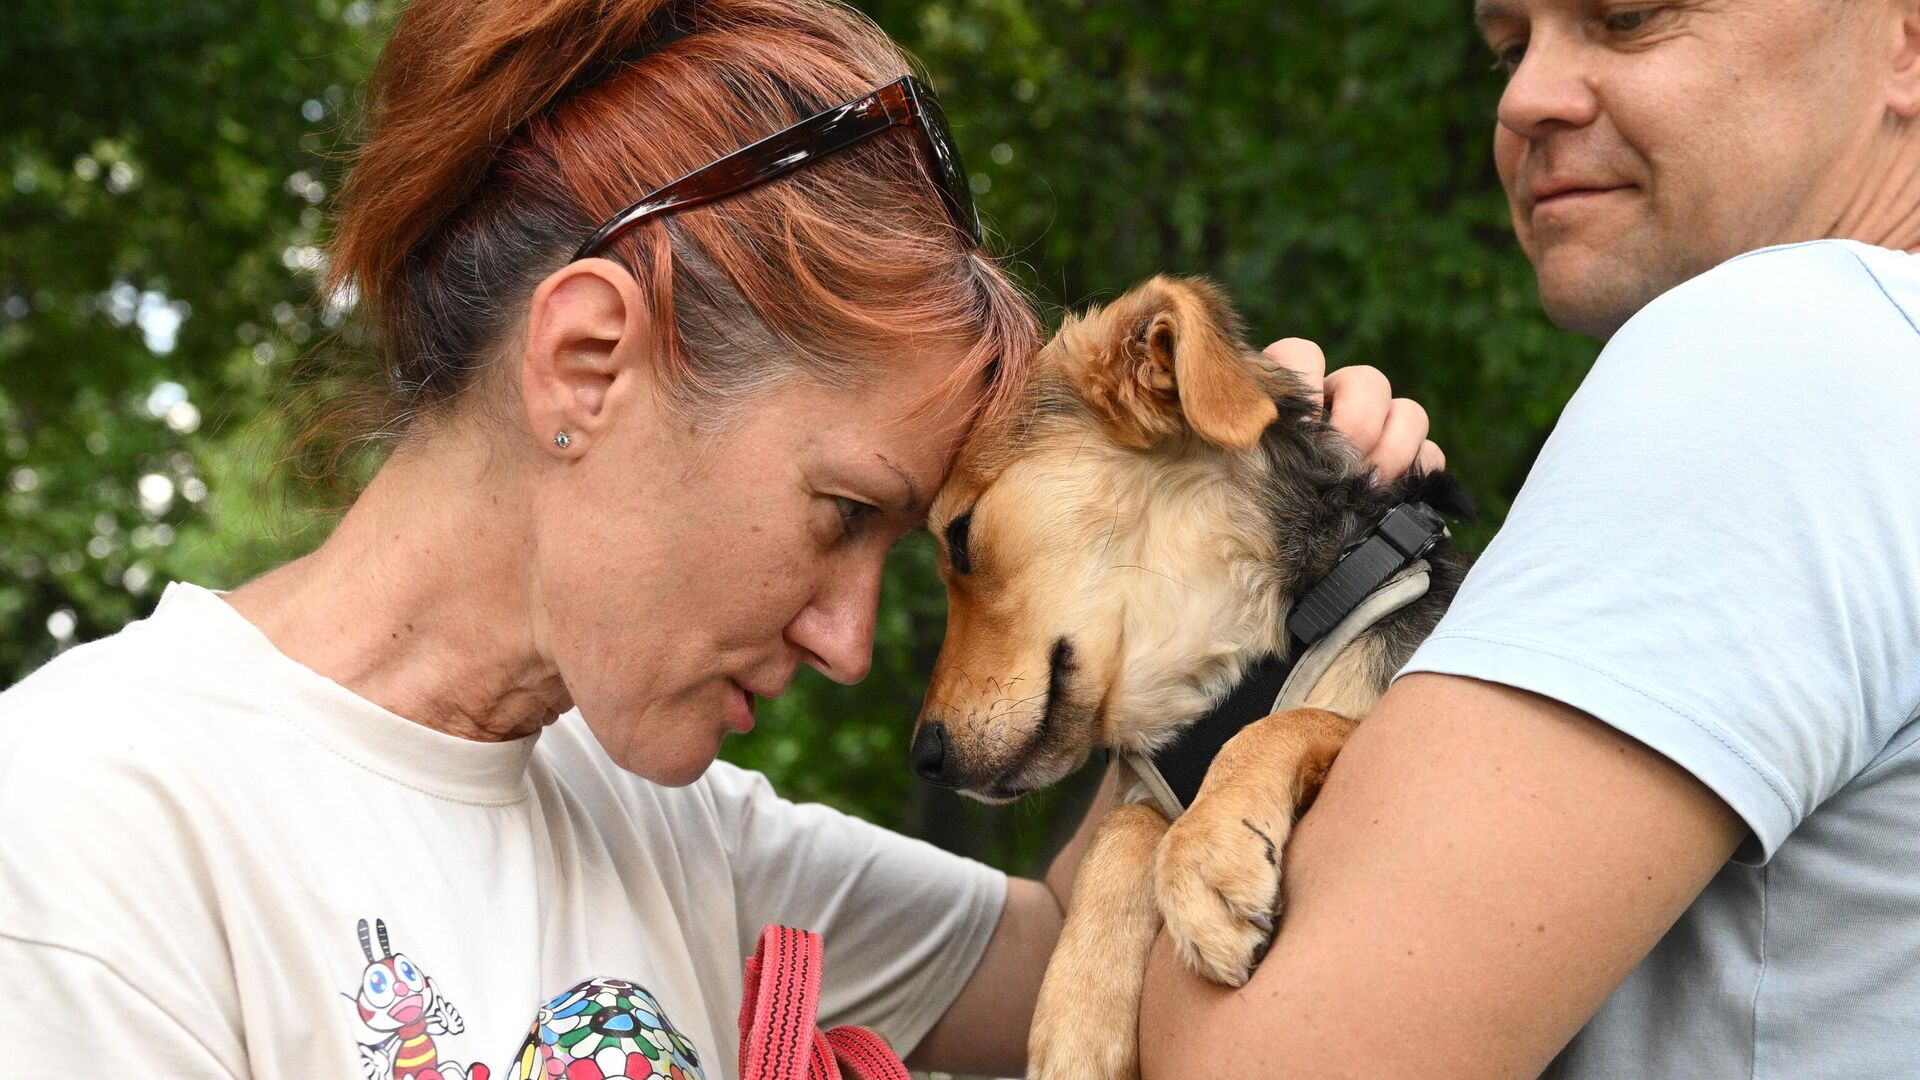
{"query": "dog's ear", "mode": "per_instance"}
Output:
(1173, 355)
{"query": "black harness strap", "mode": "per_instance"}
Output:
(1408, 532)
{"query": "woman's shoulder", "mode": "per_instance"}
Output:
(162, 710)
(141, 689)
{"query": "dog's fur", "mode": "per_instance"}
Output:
(1117, 553)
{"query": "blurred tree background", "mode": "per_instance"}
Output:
(167, 168)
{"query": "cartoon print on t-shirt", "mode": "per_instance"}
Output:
(397, 1000)
(602, 1029)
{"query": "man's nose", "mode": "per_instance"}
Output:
(1550, 91)
(930, 757)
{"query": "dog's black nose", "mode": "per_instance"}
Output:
(929, 754)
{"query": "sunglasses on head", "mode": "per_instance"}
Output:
(904, 102)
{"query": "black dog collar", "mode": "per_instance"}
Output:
(1408, 533)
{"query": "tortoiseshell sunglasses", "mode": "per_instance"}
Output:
(902, 102)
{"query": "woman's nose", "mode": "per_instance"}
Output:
(836, 628)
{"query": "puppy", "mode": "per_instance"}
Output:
(1117, 553)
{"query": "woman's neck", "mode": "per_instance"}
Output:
(420, 601)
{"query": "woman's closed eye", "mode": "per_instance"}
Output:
(855, 516)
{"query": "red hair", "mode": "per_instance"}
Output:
(501, 133)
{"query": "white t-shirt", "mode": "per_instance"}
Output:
(1718, 553)
(193, 828)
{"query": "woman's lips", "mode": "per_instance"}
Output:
(741, 720)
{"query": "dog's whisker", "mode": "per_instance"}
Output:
(1150, 570)
(1111, 529)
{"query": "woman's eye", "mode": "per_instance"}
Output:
(854, 514)
(1507, 58)
(957, 552)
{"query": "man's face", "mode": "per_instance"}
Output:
(1643, 143)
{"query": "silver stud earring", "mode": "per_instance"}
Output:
(562, 440)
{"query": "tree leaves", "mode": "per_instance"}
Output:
(1327, 160)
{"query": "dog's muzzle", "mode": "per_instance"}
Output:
(936, 760)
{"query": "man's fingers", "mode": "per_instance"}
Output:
(1401, 436)
(1358, 399)
(1389, 432)
(1303, 358)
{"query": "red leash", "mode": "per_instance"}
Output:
(779, 1039)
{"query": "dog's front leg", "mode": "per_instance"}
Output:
(1086, 1024)
(1217, 872)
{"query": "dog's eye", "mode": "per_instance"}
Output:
(957, 543)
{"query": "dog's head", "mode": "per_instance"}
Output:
(1109, 550)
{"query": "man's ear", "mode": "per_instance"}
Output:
(587, 342)
(1170, 355)
(1905, 89)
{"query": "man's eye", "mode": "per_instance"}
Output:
(957, 543)
(1629, 22)
(854, 515)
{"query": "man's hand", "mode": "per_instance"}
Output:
(1390, 432)
(1482, 868)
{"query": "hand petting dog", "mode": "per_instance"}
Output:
(1389, 432)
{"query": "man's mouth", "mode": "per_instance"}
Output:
(1557, 193)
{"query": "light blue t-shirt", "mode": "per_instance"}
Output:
(1718, 553)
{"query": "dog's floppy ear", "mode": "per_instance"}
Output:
(1173, 354)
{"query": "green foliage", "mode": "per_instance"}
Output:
(164, 166)
(1326, 159)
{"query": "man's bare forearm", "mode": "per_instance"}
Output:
(1481, 870)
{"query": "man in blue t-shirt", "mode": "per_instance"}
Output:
(1647, 804)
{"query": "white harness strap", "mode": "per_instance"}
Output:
(1143, 782)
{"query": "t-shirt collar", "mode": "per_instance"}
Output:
(382, 741)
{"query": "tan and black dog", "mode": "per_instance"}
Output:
(1117, 553)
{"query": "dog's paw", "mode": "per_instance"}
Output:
(1217, 880)
(1084, 1051)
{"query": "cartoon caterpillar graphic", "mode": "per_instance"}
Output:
(397, 997)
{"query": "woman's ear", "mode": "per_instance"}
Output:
(587, 345)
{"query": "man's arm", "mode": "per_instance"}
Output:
(1483, 867)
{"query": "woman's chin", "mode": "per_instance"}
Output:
(682, 759)
(675, 757)
(681, 776)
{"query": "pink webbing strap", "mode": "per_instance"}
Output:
(778, 1037)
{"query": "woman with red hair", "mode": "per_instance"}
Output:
(442, 793)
